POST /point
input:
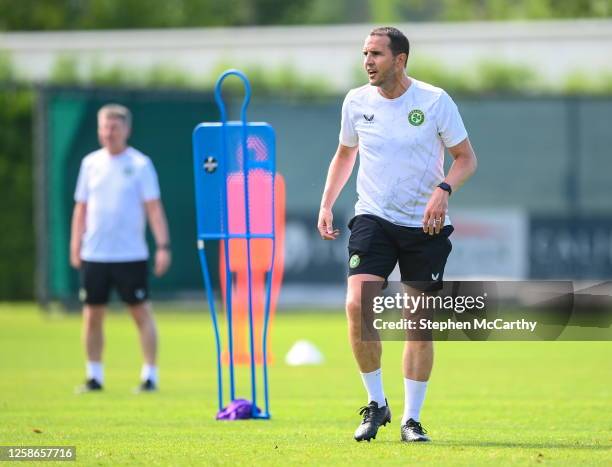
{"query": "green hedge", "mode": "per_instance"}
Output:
(17, 249)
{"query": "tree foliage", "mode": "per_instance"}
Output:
(128, 14)
(31, 15)
(17, 239)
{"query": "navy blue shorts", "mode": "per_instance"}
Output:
(377, 245)
(130, 279)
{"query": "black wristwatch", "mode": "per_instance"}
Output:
(163, 246)
(446, 187)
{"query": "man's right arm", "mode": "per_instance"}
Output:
(77, 231)
(339, 172)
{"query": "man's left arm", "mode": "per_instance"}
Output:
(462, 168)
(159, 227)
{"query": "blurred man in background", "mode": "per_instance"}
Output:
(400, 126)
(116, 189)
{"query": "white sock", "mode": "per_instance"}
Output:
(95, 370)
(414, 395)
(148, 372)
(373, 384)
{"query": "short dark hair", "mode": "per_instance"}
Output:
(398, 43)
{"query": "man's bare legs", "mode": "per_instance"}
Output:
(417, 364)
(141, 313)
(367, 354)
(418, 351)
(367, 351)
(418, 360)
(93, 340)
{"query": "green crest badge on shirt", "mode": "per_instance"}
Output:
(354, 261)
(416, 117)
(128, 171)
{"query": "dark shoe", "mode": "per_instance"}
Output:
(90, 385)
(373, 418)
(146, 386)
(413, 432)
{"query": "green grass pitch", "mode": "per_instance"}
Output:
(488, 402)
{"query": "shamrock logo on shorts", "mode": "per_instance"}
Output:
(354, 261)
(416, 117)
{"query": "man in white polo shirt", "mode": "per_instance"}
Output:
(400, 126)
(116, 191)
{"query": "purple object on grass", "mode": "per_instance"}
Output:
(238, 409)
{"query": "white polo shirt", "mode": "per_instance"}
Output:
(401, 148)
(115, 189)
